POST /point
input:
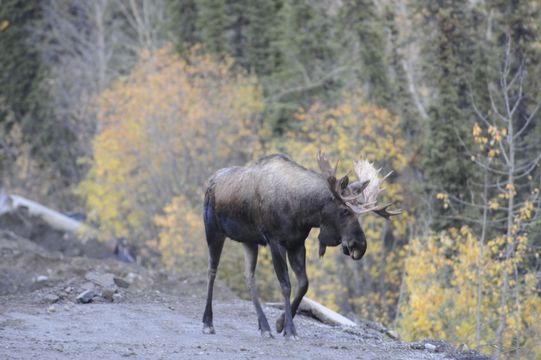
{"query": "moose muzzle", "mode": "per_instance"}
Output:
(356, 250)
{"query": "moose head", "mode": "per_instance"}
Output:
(340, 223)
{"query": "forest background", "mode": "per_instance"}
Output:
(123, 109)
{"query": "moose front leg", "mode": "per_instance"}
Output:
(297, 260)
(278, 252)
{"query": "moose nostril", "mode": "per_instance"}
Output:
(345, 250)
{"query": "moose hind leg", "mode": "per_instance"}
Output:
(278, 252)
(297, 260)
(250, 262)
(215, 243)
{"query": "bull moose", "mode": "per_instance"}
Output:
(276, 202)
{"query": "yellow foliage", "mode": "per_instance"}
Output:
(162, 130)
(476, 130)
(527, 210)
(444, 197)
(494, 205)
(182, 234)
(4, 24)
(452, 276)
(492, 136)
(492, 153)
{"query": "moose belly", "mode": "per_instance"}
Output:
(240, 231)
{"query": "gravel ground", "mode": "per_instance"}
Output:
(142, 314)
(171, 329)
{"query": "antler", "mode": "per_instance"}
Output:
(325, 165)
(383, 212)
(369, 187)
(365, 191)
(330, 174)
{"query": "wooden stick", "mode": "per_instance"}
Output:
(320, 312)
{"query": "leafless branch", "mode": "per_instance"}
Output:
(309, 86)
(528, 121)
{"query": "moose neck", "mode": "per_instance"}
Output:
(319, 208)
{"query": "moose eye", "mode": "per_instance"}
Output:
(345, 211)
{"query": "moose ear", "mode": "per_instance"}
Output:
(344, 182)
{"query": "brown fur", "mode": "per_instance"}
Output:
(275, 184)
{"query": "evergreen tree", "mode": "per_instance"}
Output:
(363, 33)
(449, 48)
(261, 33)
(519, 22)
(242, 29)
(24, 89)
(21, 70)
(212, 25)
(238, 22)
(402, 101)
(288, 44)
(308, 66)
(181, 23)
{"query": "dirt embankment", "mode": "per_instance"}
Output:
(132, 312)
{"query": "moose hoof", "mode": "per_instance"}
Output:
(291, 337)
(280, 324)
(267, 334)
(208, 330)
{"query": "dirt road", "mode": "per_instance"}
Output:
(171, 329)
(154, 315)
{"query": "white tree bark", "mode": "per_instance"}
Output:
(55, 219)
(320, 312)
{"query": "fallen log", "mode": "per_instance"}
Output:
(320, 312)
(61, 222)
(57, 220)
